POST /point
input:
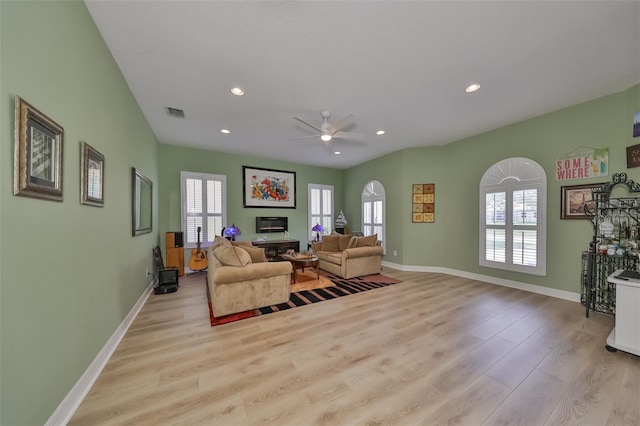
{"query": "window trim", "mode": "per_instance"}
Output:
(511, 175)
(184, 175)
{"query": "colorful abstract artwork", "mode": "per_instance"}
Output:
(268, 188)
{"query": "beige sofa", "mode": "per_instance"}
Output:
(348, 256)
(241, 279)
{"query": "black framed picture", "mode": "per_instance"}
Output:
(268, 188)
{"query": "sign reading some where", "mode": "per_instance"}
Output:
(583, 164)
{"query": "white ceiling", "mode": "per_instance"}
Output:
(397, 65)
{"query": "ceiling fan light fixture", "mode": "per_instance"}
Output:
(237, 91)
(225, 131)
(380, 132)
(472, 88)
(326, 137)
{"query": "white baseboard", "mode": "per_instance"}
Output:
(532, 288)
(62, 415)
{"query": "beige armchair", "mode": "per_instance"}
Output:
(240, 278)
(347, 256)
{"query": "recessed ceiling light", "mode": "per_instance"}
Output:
(337, 152)
(472, 88)
(380, 132)
(237, 91)
(225, 131)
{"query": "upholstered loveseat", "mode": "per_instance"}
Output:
(240, 278)
(348, 256)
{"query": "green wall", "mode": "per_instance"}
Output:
(173, 159)
(69, 273)
(456, 169)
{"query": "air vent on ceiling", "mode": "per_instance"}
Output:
(175, 112)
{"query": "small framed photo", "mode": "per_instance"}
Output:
(574, 198)
(37, 167)
(91, 176)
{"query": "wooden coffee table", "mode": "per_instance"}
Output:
(299, 261)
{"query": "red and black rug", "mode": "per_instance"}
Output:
(342, 287)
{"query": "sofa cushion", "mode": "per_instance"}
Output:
(232, 256)
(330, 243)
(334, 257)
(343, 242)
(369, 241)
(256, 253)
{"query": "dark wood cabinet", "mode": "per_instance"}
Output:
(275, 248)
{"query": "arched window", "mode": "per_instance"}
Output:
(373, 210)
(513, 195)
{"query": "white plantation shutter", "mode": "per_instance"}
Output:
(525, 216)
(214, 208)
(203, 205)
(512, 223)
(496, 225)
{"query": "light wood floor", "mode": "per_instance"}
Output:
(434, 349)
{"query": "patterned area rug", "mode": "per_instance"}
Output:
(339, 287)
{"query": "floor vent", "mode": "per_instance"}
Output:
(175, 112)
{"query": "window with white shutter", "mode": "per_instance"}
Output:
(512, 216)
(320, 208)
(203, 205)
(373, 207)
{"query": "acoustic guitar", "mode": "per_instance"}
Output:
(198, 260)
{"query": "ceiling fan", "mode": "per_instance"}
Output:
(329, 131)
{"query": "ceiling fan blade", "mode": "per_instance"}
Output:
(342, 123)
(304, 137)
(308, 124)
(348, 135)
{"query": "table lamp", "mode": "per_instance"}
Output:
(231, 232)
(317, 229)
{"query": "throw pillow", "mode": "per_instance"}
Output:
(330, 243)
(369, 241)
(256, 253)
(352, 242)
(232, 256)
(343, 242)
(219, 241)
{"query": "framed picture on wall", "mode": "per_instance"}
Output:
(37, 167)
(574, 198)
(91, 176)
(268, 188)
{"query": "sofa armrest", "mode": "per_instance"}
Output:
(352, 253)
(316, 246)
(252, 271)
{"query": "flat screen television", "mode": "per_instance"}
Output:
(270, 224)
